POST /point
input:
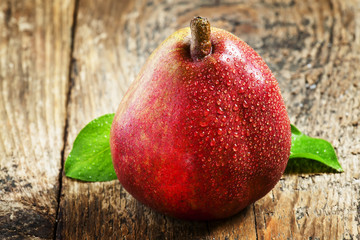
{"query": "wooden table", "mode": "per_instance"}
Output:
(66, 62)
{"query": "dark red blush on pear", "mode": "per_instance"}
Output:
(203, 131)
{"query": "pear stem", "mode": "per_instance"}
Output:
(200, 45)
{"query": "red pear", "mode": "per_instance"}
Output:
(203, 131)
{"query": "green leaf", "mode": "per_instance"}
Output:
(311, 155)
(90, 157)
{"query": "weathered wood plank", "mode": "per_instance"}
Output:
(313, 49)
(35, 40)
(109, 51)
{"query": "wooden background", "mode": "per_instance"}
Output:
(66, 62)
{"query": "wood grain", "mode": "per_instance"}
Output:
(108, 52)
(313, 48)
(319, 81)
(35, 43)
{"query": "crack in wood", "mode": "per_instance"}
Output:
(72, 70)
(255, 223)
(8, 13)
